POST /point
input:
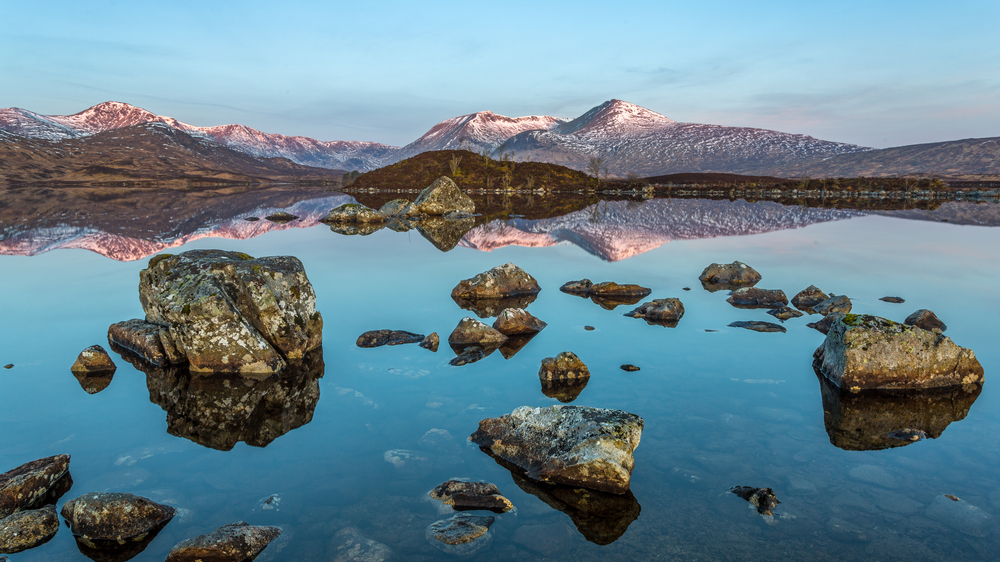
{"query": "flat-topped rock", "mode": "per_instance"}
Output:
(471, 495)
(378, 338)
(720, 277)
(659, 311)
(103, 520)
(236, 542)
(94, 359)
(752, 297)
(758, 326)
(462, 534)
(513, 321)
(784, 313)
(22, 486)
(502, 281)
(833, 304)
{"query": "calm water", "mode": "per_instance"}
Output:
(722, 406)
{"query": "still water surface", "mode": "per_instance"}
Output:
(722, 406)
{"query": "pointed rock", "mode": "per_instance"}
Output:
(925, 319)
(431, 342)
(94, 359)
(514, 321)
(809, 297)
(441, 197)
(472, 331)
(394, 208)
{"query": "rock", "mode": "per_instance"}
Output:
(863, 351)
(397, 224)
(93, 360)
(514, 321)
(718, 277)
(824, 325)
(763, 499)
(107, 521)
(752, 297)
(758, 326)
(784, 313)
(462, 534)
(56, 491)
(908, 434)
(809, 297)
(26, 484)
(27, 529)
(8, 366)
(469, 354)
(663, 312)
(584, 287)
(514, 344)
(589, 328)
(611, 303)
(378, 338)
(502, 281)
(564, 391)
(431, 342)
(252, 219)
(352, 213)
(472, 331)
(565, 366)
(444, 233)
(394, 208)
(149, 341)
(630, 368)
(92, 383)
(580, 446)
(228, 312)
(894, 300)
(471, 495)
(409, 464)
(833, 304)
(960, 515)
(489, 308)
(236, 542)
(925, 319)
(581, 287)
(352, 546)
(439, 198)
(280, 217)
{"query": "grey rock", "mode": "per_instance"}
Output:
(581, 287)
(439, 198)
(833, 304)
(356, 228)
(462, 534)
(719, 277)
(960, 515)
(378, 338)
(472, 331)
(470, 354)
(102, 520)
(394, 208)
(149, 341)
(513, 321)
(26, 484)
(752, 297)
(431, 342)
(27, 529)
(824, 325)
(758, 326)
(351, 546)
(562, 367)
(353, 213)
(94, 359)
(809, 297)
(471, 495)
(925, 319)
(502, 281)
(236, 542)
(762, 499)
(444, 233)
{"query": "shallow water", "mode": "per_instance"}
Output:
(722, 408)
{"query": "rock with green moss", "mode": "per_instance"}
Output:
(28, 529)
(353, 213)
(575, 445)
(863, 351)
(440, 198)
(226, 312)
(502, 281)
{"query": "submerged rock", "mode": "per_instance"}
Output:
(752, 297)
(893, 300)
(440, 198)
(663, 312)
(784, 313)
(461, 534)
(580, 446)
(352, 546)
(431, 342)
(833, 304)
(809, 297)
(94, 359)
(27, 529)
(444, 233)
(281, 217)
(502, 281)
(565, 366)
(960, 515)
(863, 351)
(824, 325)
(763, 499)
(472, 331)
(394, 208)
(378, 338)
(925, 319)
(471, 495)
(236, 542)
(109, 521)
(909, 434)
(350, 213)
(489, 308)
(514, 321)
(26, 484)
(758, 326)
(719, 277)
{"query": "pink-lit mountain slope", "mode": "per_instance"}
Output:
(476, 132)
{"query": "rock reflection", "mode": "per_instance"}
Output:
(491, 308)
(610, 303)
(222, 409)
(92, 383)
(863, 421)
(470, 353)
(564, 391)
(444, 233)
(363, 229)
(515, 344)
(123, 553)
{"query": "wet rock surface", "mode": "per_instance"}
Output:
(27, 529)
(462, 534)
(28, 483)
(584, 287)
(758, 326)
(439, 198)
(752, 297)
(356, 229)
(824, 325)
(378, 338)
(502, 281)
(513, 321)
(864, 351)
(94, 359)
(726, 277)
(563, 367)
(575, 445)
(925, 319)
(663, 312)
(431, 342)
(784, 313)
(834, 304)
(809, 297)
(472, 331)
(629, 367)
(350, 213)
(762, 499)
(960, 515)
(149, 341)
(893, 300)
(107, 521)
(236, 542)
(471, 495)
(352, 546)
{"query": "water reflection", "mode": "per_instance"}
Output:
(564, 391)
(92, 383)
(444, 233)
(863, 421)
(491, 308)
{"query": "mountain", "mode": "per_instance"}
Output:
(475, 132)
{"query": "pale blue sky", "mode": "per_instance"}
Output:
(876, 73)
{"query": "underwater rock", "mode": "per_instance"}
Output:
(394, 208)
(281, 217)
(461, 534)
(565, 366)
(809, 297)
(514, 321)
(94, 359)
(471, 331)
(444, 233)
(824, 325)
(236, 542)
(352, 213)
(784, 313)
(763, 499)
(502, 281)
(960, 515)
(925, 319)
(758, 326)
(489, 308)
(431, 342)
(27, 529)
(110, 521)
(863, 351)
(352, 546)
(833, 304)
(26, 484)
(378, 338)
(720, 277)
(439, 198)
(752, 297)
(908, 434)
(629, 368)
(471, 495)
(575, 445)
(893, 300)
(409, 464)
(663, 312)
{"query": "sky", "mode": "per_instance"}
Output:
(876, 72)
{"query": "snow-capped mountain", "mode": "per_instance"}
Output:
(476, 131)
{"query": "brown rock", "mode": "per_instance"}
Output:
(489, 308)
(236, 542)
(27, 529)
(752, 297)
(439, 198)
(502, 281)
(29, 482)
(463, 534)
(378, 338)
(893, 300)
(809, 297)
(147, 340)
(565, 366)
(763, 499)
(471, 495)
(833, 304)
(758, 326)
(353, 213)
(515, 344)
(444, 233)
(431, 342)
(581, 287)
(824, 325)
(514, 321)
(629, 368)
(94, 359)
(107, 521)
(92, 383)
(281, 217)
(564, 391)
(925, 319)
(664, 312)
(719, 277)
(784, 313)
(472, 331)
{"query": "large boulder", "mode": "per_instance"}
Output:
(351, 213)
(26, 484)
(719, 277)
(94, 359)
(752, 297)
(863, 351)
(108, 521)
(440, 198)
(226, 311)
(502, 281)
(575, 445)
(235, 542)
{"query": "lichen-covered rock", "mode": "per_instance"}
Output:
(784, 313)
(102, 520)
(863, 351)
(719, 277)
(94, 359)
(462, 534)
(575, 445)
(565, 366)
(378, 338)
(439, 198)
(514, 321)
(472, 331)
(356, 229)
(26, 484)
(444, 233)
(833, 304)
(752, 297)
(228, 312)
(758, 326)
(762, 499)
(149, 341)
(394, 208)
(431, 342)
(502, 281)
(925, 319)
(809, 297)
(471, 495)
(351, 213)
(581, 287)
(665, 312)
(236, 542)
(824, 325)
(27, 529)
